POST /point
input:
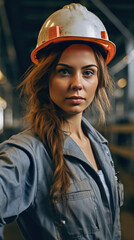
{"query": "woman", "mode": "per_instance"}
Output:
(57, 178)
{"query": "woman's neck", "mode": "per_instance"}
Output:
(73, 126)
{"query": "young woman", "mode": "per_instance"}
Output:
(57, 178)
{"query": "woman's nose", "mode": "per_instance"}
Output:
(76, 83)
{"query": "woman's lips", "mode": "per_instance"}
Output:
(76, 99)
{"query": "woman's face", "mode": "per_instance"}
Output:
(73, 83)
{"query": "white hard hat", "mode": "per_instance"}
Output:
(73, 22)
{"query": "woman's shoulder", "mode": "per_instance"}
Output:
(24, 139)
(25, 135)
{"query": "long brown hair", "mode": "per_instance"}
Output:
(46, 119)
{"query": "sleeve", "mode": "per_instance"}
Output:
(1, 233)
(18, 180)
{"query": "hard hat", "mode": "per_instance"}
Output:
(73, 22)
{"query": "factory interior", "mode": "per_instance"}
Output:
(20, 22)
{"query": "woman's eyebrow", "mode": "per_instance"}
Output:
(90, 65)
(68, 66)
(65, 65)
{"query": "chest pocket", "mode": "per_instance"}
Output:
(76, 212)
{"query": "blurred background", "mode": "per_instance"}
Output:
(20, 22)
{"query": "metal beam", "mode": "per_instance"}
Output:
(118, 24)
(8, 40)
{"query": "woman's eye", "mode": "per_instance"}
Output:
(88, 73)
(64, 72)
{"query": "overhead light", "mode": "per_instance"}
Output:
(122, 82)
(2, 77)
(3, 103)
(1, 120)
(118, 93)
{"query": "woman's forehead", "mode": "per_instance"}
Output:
(78, 47)
(78, 52)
